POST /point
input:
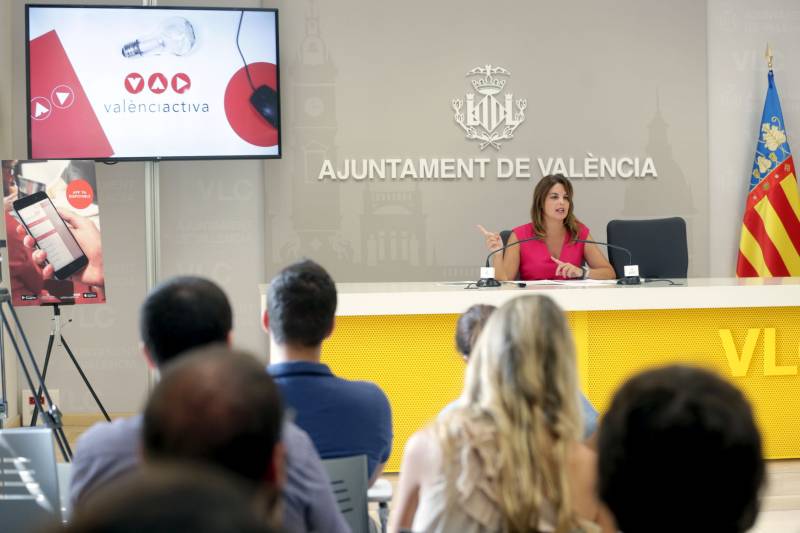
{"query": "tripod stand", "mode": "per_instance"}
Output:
(55, 333)
(51, 416)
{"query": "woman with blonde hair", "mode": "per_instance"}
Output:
(509, 458)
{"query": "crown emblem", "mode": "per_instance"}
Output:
(489, 85)
(484, 113)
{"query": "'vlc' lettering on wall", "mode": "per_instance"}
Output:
(739, 363)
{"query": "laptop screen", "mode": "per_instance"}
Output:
(29, 495)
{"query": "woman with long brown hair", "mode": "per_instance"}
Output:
(556, 254)
(509, 457)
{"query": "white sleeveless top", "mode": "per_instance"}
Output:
(474, 509)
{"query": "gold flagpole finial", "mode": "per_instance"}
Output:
(768, 56)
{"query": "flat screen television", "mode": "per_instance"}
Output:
(152, 83)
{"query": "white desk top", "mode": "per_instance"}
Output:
(439, 298)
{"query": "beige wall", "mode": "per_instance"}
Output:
(375, 80)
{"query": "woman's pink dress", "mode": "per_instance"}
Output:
(534, 258)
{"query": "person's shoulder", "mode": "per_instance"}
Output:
(583, 230)
(371, 391)
(111, 435)
(523, 231)
(423, 449)
(582, 462)
(295, 439)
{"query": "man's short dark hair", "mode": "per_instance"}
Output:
(679, 451)
(301, 304)
(216, 406)
(183, 313)
(167, 499)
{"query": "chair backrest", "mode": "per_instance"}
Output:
(349, 483)
(504, 235)
(29, 495)
(658, 246)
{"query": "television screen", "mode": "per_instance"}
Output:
(152, 83)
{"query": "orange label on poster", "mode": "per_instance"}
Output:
(79, 194)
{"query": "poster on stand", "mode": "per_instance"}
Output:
(52, 220)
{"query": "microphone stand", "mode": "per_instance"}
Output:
(487, 272)
(631, 270)
(51, 416)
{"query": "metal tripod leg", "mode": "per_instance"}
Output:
(35, 415)
(85, 379)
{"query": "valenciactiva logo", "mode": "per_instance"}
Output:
(156, 84)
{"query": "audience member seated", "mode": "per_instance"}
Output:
(343, 418)
(469, 326)
(510, 457)
(679, 451)
(169, 499)
(217, 407)
(178, 315)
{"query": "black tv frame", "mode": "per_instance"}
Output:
(279, 155)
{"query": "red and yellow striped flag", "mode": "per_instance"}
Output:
(770, 242)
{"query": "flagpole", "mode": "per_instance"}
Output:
(768, 56)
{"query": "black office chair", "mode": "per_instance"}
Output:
(504, 235)
(658, 246)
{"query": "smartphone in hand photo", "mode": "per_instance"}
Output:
(43, 223)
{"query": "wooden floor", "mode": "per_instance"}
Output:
(780, 508)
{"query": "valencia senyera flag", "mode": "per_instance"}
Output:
(770, 242)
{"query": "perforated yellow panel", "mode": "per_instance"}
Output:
(621, 343)
(413, 359)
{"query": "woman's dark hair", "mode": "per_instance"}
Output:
(537, 206)
(469, 326)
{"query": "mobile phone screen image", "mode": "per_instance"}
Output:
(51, 234)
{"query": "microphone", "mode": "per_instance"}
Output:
(631, 270)
(487, 272)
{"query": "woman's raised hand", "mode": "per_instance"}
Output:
(493, 240)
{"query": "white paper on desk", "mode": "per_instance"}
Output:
(584, 282)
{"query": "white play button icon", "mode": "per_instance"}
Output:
(181, 82)
(62, 96)
(40, 108)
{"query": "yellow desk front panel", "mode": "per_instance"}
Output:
(413, 359)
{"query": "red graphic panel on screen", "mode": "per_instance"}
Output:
(242, 116)
(68, 129)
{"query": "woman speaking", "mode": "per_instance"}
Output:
(557, 254)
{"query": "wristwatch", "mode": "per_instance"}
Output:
(585, 273)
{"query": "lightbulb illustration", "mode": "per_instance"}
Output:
(174, 35)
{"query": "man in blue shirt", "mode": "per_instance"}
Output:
(343, 418)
